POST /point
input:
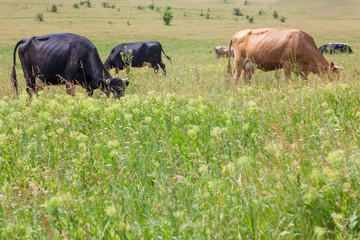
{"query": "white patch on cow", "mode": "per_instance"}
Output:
(249, 66)
(147, 64)
(39, 84)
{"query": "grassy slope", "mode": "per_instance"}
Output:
(187, 155)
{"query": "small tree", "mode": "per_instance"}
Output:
(39, 17)
(282, 19)
(167, 15)
(275, 14)
(237, 12)
(54, 8)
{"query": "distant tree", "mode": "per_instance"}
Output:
(275, 14)
(167, 15)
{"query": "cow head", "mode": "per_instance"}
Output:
(115, 86)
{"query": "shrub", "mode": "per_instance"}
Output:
(151, 6)
(246, 2)
(141, 7)
(282, 19)
(54, 8)
(108, 5)
(275, 14)
(261, 12)
(167, 15)
(39, 17)
(237, 12)
(88, 3)
(75, 5)
(251, 19)
(201, 13)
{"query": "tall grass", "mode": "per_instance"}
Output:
(187, 155)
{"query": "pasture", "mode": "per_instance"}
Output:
(187, 155)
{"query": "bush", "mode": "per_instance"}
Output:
(237, 12)
(54, 8)
(282, 19)
(261, 12)
(251, 19)
(88, 3)
(246, 2)
(167, 15)
(201, 13)
(275, 14)
(151, 6)
(108, 5)
(141, 7)
(75, 5)
(39, 17)
(207, 15)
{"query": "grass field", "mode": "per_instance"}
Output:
(187, 155)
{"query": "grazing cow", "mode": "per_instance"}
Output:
(333, 48)
(64, 58)
(137, 54)
(273, 48)
(222, 51)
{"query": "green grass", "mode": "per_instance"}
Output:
(187, 155)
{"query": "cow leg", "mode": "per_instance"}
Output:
(30, 86)
(237, 70)
(70, 88)
(162, 65)
(156, 68)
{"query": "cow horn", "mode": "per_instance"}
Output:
(126, 81)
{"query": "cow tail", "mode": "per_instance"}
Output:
(13, 73)
(229, 55)
(165, 53)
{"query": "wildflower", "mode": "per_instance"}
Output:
(147, 120)
(217, 131)
(229, 169)
(59, 201)
(319, 232)
(335, 158)
(203, 168)
(193, 131)
(111, 211)
(128, 117)
(176, 119)
(113, 143)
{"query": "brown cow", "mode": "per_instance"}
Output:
(222, 51)
(273, 48)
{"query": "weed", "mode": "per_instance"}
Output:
(282, 19)
(275, 14)
(54, 8)
(237, 12)
(39, 17)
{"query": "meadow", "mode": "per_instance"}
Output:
(187, 155)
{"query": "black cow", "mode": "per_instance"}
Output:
(137, 54)
(64, 58)
(333, 48)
